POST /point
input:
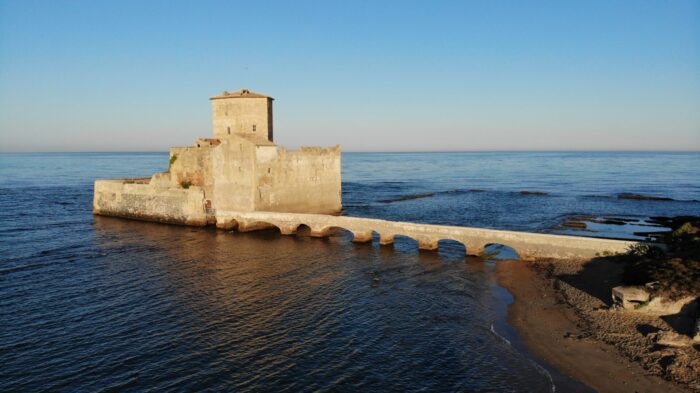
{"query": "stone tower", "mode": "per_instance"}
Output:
(243, 113)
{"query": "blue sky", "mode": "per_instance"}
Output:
(368, 75)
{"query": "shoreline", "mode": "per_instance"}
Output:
(547, 314)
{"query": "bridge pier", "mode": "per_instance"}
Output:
(288, 229)
(476, 250)
(427, 244)
(362, 237)
(322, 232)
(386, 240)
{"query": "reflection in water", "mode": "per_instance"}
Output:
(197, 308)
(88, 304)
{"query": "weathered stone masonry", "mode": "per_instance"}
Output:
(241, 169)
(241, 180)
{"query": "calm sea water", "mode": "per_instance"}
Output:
(103, 304)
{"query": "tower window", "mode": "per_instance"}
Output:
(229, 130)
(253, 127)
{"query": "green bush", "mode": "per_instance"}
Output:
(676, 272)
(173, 158)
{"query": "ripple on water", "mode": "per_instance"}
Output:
(99, 304)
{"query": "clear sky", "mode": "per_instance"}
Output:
(368, 75)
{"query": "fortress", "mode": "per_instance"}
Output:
(241, 180)
(240, 169)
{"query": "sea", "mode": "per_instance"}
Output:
(100, 304)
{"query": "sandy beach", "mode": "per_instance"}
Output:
(561, 311)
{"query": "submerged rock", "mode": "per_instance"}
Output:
(643, 197)
(611, 221)
(575, 224)
(408, 197)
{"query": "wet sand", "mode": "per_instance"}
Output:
(547, 312)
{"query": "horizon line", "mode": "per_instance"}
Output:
(389, 151)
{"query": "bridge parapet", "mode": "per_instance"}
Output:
(527, 245)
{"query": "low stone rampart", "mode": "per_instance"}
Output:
(146, 201)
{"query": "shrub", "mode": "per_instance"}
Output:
(173, 158)
(676, 273)
(644, 250)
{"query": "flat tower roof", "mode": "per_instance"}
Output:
(243, 93)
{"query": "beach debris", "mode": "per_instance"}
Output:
(375, 278)
(640, 299)
(630, 297)
(576, 336)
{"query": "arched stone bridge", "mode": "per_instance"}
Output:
(528, 245)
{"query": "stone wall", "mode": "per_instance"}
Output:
(240, 169)
(149, 201)
(243, 116)
(233, 165)
(192, 166)
(302, 181)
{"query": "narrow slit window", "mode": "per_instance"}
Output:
(253, 127)
(229, 130)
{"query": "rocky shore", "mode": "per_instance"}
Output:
(564, 314)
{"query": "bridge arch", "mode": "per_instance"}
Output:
(227, 224)
(405, 242)
(339, 231)
(500, 251)
(452, 247)
(320, 231)
(303, 230)
(248, 226)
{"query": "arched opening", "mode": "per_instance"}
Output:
(255, 226)
(338, 233)
(259, 230)
(227, 224)
(494, 251)
(303, 230)
(405, 243)
(451, 249)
